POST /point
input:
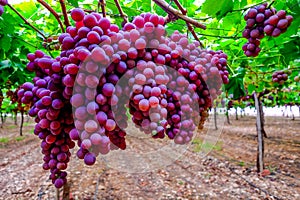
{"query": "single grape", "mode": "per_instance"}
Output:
(59, 183)
(77, 14)
(282, 24)
(93, 37)
(259, 17)
(268, 29)
(254, 33)
(276, 32)
(108, 89)
(90, 20)
(252, 13)
(144, 105)
(281, 14)
(273, 20)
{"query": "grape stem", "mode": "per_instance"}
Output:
(26, 22)
(64, 10)
(271, 4)
(92, 11)
(102, 4)
(226, 37)
(246, 8)
(190, 27)
(173, 12)
(269, 72)
(122, 14)
(48, 7)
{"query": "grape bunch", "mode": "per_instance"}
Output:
(277, 23)
(52, 112)
(261, 20)
(81, 96)
(279, 77)
(2, 4)
(164, 105)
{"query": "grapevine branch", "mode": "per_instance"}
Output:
(173, 12)
(271, 4)
(26, 22)
(102, 3)
(226, 37)
(246, 8)
(52, 12)
(122, 14)
(191, 29)
(64, 10)
(270, 72)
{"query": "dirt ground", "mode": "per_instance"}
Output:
(228, 171)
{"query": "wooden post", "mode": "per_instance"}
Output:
(262, 119)
(57, 194)
(227, 116)
(66, 191)
(236, 114)
(260, 139)
(16, 117)
(2, 119)
(22, 121)
(293, 116)
(215, 118)
(5, 116)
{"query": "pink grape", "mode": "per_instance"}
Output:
(77, 14)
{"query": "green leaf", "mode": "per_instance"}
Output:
(236, 86)
(28, 6)
(232, 18)
(226, 42)
(290, 50)
(5, 43)
(74, 3)
(217, 8)
(251, 88)
(294, 6)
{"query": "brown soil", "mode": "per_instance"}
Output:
(227, 172)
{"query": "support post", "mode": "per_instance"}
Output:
(227, 116)
(260, 139)
(22, 122)
(215, 118)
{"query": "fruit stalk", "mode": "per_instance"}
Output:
(64, 10)
(102, 3)
(190, 27)
(122, 14)
(53, 12)
(172, 11)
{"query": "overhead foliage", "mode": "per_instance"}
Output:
(224, 21)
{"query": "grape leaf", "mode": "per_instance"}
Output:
(29, 6)
(251, 88)
(74, 3)
(236, 86)
(217, 8)
(5, 43)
